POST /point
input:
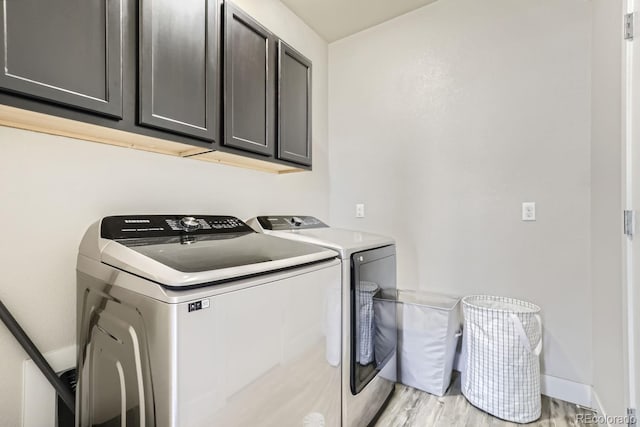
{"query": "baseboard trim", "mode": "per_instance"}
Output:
(38, 396)
(567, 390)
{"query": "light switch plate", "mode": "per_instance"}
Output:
(528, 211)
(360, 210)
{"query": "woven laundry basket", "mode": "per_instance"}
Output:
(502, 342)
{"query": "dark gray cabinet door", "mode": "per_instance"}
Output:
(66, 51)
(294, 105)
(178, 80)
(249, 83)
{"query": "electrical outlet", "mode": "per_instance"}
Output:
(529, 211)
(360, 210)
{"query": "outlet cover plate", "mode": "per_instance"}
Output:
(528, 211)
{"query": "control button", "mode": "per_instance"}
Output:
(189, 223)
(187, 240)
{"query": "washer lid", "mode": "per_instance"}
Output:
(178, 258)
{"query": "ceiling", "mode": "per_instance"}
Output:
(335, 19)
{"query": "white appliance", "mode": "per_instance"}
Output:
(200, 321)
(369, 326)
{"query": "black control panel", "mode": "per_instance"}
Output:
(141, 226)
(282, 222)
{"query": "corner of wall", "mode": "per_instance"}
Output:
(597, 405)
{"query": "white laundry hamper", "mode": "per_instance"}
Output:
(502, 342)
(427, 339)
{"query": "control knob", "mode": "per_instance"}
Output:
(296, 221)
(189, 223)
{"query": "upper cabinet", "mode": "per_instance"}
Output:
(249, 83)
(65, 51)
(294, 105)
(192, 77)
(179, 66)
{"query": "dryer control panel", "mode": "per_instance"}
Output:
(141, 226)
(290, 222)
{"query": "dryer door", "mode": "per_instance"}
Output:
(373, 314)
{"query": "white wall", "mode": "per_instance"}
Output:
(443, 121)
(52, 188)
(606, 205)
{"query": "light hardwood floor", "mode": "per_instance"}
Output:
(414, 408)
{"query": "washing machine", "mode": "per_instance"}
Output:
(194, 321)
(369, 321)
